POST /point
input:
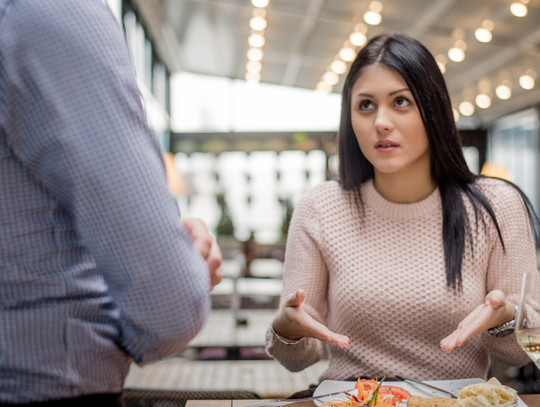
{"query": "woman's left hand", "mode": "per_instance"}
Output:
(495, 311)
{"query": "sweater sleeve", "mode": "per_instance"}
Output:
(506, 266)
(304, 268)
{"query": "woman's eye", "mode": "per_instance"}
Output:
(365, 105)
(402, 102)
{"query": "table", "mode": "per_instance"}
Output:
(532, 400)
(221, 329)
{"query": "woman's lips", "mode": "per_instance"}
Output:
(386, 146)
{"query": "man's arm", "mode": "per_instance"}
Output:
(71, 112)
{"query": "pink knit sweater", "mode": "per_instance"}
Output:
(381, 281)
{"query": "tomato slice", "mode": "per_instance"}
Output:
(396, 391)
(369, 385)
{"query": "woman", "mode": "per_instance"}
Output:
(410, 252)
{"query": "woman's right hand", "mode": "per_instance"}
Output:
(293, 322)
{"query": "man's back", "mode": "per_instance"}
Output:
(95, 269)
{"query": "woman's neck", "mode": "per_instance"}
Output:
(404, 188)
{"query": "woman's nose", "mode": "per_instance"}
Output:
(383, 122)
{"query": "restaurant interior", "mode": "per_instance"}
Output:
(243, 97)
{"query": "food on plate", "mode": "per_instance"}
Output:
(419, 401)
(491, 393)
(372, 394)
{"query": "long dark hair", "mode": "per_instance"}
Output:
(420, 71)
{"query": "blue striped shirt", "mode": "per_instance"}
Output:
(95, 268)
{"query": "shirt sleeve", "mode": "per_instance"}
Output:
(71, 112)
(304, 268)
(506, 266)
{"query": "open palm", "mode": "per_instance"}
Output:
(493, 312)
(293, 322)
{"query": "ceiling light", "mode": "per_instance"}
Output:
(259, 12)
(518, 9)
(331, 78)
(372, 18)
(442, 67)
(459, 33)
(483, 35)
(253, 77)
(347, 54)
(257, 23)
(338, 67)
(484, 86)
(526, 82)
(488, 25)
(256, 40)
(456, 54)
(456, 114)
(466, 108)
(483, 101)
(360, 28)
(260, 3)
(531, 73)
(376, 6)
(323, 87)
(358, 39)
(462, 45)
(253, 66)
(503, 92)
(441, 58)
(255, 54)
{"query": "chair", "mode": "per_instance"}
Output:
(179, 398)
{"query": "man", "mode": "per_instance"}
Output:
(95, 267)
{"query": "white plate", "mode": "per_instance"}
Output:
(454, 386)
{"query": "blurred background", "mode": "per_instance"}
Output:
(244, 99)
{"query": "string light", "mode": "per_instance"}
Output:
(466, 108)
(255, 54)
(358, 39)
(324, 87)
(488, 25)
(441, 62)
(456, 114)
(442, 67)
(483, 101)
(503, 92)
(260, 3)
(518, 9)
(257, 23)
(256, 40)
(254, 66)
(376, 6)
(253, 77)
(372, 18)
(360, 28)
(338, 66)
(483, 35)
(526, 82)
(347, 54)
(456, 54)
(331, 78)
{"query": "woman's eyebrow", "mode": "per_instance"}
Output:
(390, 94)
(397, 91)
(366, 95)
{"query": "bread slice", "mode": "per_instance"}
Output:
(418, 401)
(489, 394)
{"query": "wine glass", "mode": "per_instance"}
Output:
(528, 335)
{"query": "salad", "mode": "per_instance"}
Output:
(372, 394)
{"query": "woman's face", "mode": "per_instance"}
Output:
(387, 123)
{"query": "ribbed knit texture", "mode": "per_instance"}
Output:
(380, 279)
